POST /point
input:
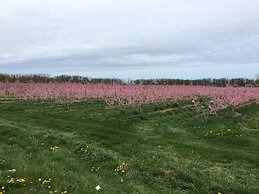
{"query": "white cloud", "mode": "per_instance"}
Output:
(63, 36)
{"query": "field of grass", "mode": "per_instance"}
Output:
(164, 148)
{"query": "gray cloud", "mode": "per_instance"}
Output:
(130, 38)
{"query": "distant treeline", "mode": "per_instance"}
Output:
(42, 78)
(223, 82)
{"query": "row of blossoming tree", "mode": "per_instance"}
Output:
(117, 94)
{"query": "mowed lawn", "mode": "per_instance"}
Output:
(164, 148)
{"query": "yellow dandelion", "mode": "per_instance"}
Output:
(120, 168)
(20, 180)
(11, 181)
(46, 181)
(54, 148)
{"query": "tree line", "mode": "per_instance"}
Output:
(223, 82)
(42, 78)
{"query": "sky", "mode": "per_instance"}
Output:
(130, 39)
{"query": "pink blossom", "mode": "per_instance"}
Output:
(127, 94)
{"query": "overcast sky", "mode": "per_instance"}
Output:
(130, 38)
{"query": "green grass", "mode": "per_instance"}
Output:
(176, 151)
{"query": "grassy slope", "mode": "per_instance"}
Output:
(177, 151)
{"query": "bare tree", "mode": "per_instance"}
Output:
(257, 79)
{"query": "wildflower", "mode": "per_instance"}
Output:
(1, 192)
(39, 179)
(49, 187)
(46, 181)
(97, 187)
(54, 148)
(20, 180)
(219, 193)
(120, 168)
(11, 181)
(3, 188)
(12, 170)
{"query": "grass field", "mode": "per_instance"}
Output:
(163, 148)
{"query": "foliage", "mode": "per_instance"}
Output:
(223, 82)
(42, 78)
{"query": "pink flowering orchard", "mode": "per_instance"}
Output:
(127, 94)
